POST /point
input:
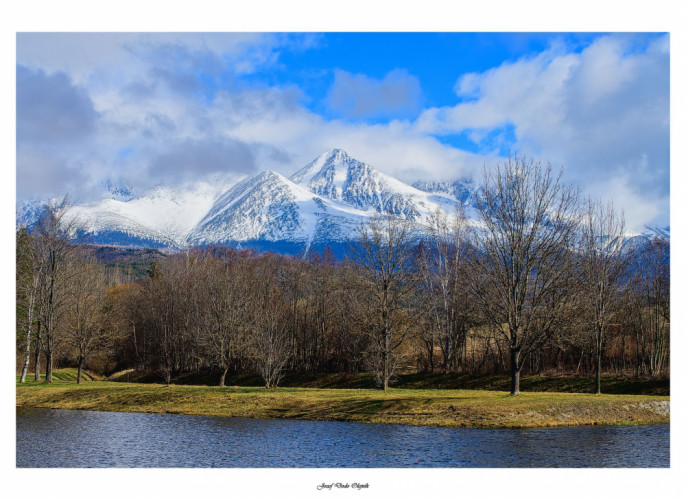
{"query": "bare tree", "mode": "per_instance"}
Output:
(161, 293)
(269, 339)
(647, 308)
(445, 257)
(521, 271)
(350, 338)
(176, 308)
(602, 237)
(88, 311)
(53, 248)
(225, 286)
(27, 291)
(386, 258)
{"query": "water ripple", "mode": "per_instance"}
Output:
(70, 438)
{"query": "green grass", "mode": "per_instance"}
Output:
(63, 375)
(441, 407)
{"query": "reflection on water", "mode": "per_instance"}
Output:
(69, 438)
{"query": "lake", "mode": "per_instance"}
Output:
(73, 438)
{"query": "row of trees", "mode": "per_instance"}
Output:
(63, 303)
(542, 281)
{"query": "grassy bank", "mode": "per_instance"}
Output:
(64, 375)
(452, 408)
(529, 383)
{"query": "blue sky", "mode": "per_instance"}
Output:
(142, 109)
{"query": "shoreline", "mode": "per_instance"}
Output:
(562, 426)
(422, 407)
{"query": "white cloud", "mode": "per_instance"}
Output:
(274, 116)
(602, 113)
(87, 57)
(44, 175)
(639, 211)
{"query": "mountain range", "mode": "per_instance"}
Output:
(321, 205)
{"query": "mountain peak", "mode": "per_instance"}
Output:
(325, 161)
(328, 174)
(335, 155)
(267, 175)
(339, 177)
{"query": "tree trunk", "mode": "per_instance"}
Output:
(386, 375)
(599, 351)
(78, 373)
(386, 339)
(623, 352)
(222, 378)
(37, 349)
(36, 373)
(27, 360)
(48, 367)
(515, 368)
(597, 373)
(385, 372)
(638, 356)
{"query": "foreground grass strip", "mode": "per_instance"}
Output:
(450, 408)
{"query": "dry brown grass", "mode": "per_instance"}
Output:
(451, 408)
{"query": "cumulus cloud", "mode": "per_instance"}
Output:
(193, 159)
(299, 135)
(103, 58)
(603, 113)
(398, 95)
(51, 109)
(639, 211)
(83, 98)
(43, 175)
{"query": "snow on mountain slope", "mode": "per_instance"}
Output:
(337, 176)
(324, 176)
(29, 212)
(119, 192)
(462, 190)
(271, 207)
(321, 204)
(325, 201)
(165, 215)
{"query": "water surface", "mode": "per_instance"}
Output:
(74, 438)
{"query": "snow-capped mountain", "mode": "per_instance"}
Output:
(337, 176)
(462, 190)
(321, 204)
(29, 212)
(162, 218)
